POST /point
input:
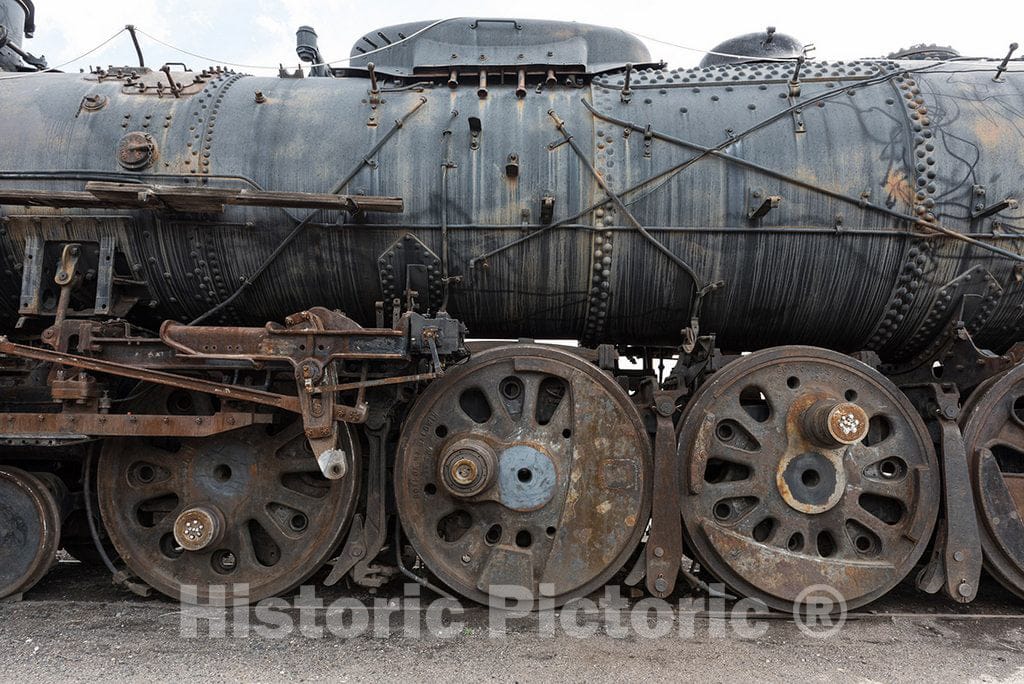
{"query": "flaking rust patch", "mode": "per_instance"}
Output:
(989, 134)
(896, 186)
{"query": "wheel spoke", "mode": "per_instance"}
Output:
(902, 489)
(300, 501)
(750, 518)
(788, 526)
(735, 454)
(1011, 434)
(715, 491)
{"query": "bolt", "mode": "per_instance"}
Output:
(659, 552)
(958, 556)
(964, 589)
(660, 585)
(466, 558)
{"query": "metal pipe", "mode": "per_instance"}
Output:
(446, 166)
(130, 28)
(374, 88)
(521, 87)
(482, 90)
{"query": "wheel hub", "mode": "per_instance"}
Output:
(811, 482)
(469, 467)
(527, 479)
(833, 423)
(197, 528)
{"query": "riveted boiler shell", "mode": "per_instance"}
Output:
(818, 269)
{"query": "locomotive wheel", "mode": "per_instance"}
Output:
(805, 468)
(525, 467)
(993, 428)
(29, 530)
(244, 513)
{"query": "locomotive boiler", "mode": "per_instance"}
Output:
(239, 314)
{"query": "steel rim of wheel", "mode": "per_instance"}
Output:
(993, 427)
(776, 505)
(29, 530)
(242, 515)
(523, 468)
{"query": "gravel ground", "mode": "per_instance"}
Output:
(75, 626)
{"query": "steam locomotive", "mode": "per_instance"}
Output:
(243, 318)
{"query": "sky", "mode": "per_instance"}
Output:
(262, 32)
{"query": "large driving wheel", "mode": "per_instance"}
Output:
(525, 472)
(245, 514)
(803, 467)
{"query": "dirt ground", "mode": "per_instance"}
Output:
(76, 626)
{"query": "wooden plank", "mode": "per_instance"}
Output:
(43, 198)
(211, 199)
(103, 195)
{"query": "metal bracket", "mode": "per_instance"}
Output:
(66, 278)
(664, 550)
(409, 265)
(547, 209)
(984, 212)
(512, 166)
(105, 275)
(368, 534)
(759, 211)
(475, 129)
(798, 119)
(956, 562)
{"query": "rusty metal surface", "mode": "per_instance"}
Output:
(957, 552)
(994, 441)
(100, 195)
(524, 467)
(771, 508)
(30, 523)
(33, 426)
(278, 518)
(664, 547)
